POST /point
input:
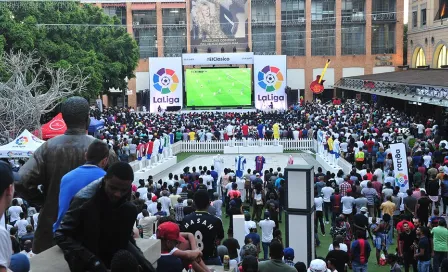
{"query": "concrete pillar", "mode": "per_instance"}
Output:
(238, 228)
(160, 43)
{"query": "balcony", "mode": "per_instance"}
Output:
(323, 20)
(294, 22)
(356, 17)
(384, 16)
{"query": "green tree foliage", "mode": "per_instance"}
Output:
(69, 34)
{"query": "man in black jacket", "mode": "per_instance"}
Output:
(99, 223)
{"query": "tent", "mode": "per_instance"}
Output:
(22, 147)
(54, 128)
(95, 125)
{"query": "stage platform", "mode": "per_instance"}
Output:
(265, 149)
(215, 110)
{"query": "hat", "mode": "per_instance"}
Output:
(250, 250)
(363, 209)
(169, 231)
(154, 198)
(6, 176)
(288, 253)
(318, 265)
(257, 174)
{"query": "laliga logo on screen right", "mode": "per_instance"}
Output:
(166, 82)
(270, 78)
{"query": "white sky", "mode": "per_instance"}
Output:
(406, 6)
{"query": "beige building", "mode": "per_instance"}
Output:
(428, 33)
(359, 36)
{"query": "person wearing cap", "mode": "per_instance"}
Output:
(275, 263)
(318, 265)
(288, 256)
(50, 162)
(152, 207)
(99, 222)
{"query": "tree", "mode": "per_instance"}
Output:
(30, 92)
(71, 35)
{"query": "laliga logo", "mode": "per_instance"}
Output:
(22, 140)
(165, 82)
(10, 154)
(270, 78)
(401, 179)
(29, 153)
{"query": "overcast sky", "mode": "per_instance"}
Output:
(406, 6)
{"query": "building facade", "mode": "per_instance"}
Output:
(358, 36)
(428, 33)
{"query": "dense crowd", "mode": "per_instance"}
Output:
(90, 209)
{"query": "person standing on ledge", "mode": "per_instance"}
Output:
(41, 176)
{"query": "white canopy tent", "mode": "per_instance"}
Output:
(22, 147)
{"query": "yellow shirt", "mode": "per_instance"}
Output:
(276, 130)
(192, 134)
(330, 144)
(388, 207)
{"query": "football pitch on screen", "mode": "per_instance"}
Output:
(218, 87)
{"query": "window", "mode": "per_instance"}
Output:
(144, 17)
(323, 10)
(174, 40)
(420, 59)
(174, 16)
(293, 40)
(147, 42)
(442, 59)
(383, 38)
(263, 40)
(423, 16)
(293, 10)
(353, 11)
(353, 40)
(263, 12)
(120, 12)
(384, 10)
(414, 19)
(323, 40)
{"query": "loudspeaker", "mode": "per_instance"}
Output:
(299, 188)
(172, 108)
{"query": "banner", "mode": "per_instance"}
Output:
(165, 83)
(218, 58)
(400, 166)
(219, 23)
(270, 82)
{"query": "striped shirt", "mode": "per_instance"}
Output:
(179, 212)
(344, 187)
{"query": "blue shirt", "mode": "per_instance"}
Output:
(255, 237)
(214, 174)
(72, 183)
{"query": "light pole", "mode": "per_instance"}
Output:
(125, 92)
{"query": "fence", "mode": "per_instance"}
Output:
(218, 146)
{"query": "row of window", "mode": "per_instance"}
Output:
(422, 18)
(441, 57)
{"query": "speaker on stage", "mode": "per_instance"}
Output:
(172, 108)
(299, 188)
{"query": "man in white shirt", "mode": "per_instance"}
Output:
(248, 224)
(152, 207)
(173, 197)
(327, 191)
(229, 130)
(143, 190)
(319, 218)
(378, 173)
(14, 212)
(170, 180)
(147, 224)
(267, 226)
(209, 136)
(21, 225)
(166, 202)
(347, 204)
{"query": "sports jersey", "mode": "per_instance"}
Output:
(156, 146)
(260, 129)
(207, 229)
(149, 148)
(166, 140)
(276, 130)
(240, 162)
(259, 162)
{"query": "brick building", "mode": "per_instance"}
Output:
(359, 36)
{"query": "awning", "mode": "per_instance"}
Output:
(418, 85)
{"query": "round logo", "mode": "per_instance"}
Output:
(401, 179)
(165, 81)
(10, 154)
(23, 140)
(270, 78)
(29, 153)
(57, 124)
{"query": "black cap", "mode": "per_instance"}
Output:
(6, 176)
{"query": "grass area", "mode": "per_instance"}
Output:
(322, 250)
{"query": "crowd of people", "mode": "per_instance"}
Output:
(74, 193)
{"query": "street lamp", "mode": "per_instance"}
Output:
(125, 91)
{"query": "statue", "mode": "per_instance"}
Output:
(50, 163)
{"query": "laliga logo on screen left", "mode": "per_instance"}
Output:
(22, 140)
(270, 78)
(166, 82)
(401, 179)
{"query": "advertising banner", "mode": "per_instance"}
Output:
(400, 166)
(219, 23)
(270, 82)
(218, 58)
(165, 83)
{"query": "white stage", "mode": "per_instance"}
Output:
(154, 169)
(265, 149)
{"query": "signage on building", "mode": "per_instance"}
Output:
(383, 61)
(218, 58)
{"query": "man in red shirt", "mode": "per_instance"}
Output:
(370, 145)
(245, 129)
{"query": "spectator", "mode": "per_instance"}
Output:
(123, 260)
(28, 236)
(440, 242)
(423, 254)
(360, 253)
(96, 160)
(248, 224)
(339, 258)
(14, 212)
(159, 210)
(232, 245)
(288, 256)
(21, 225)
(249, 264)
(276, 260)
(318, 265)
(422, 209)
(179, 210)
(406, 247)
(105, 235)
(392, 260)
(319, 216)
(147, 224)
(267, 226)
